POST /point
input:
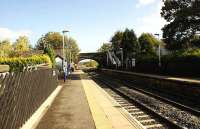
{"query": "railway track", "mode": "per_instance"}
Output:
(143, 113)
(179, 105)
(146, 119)
(130, 84)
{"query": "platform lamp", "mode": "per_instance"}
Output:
(64, 31)
(159, 50)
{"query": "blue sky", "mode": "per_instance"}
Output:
(91, 22)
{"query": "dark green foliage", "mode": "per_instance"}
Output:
(129, 43)
(105, 47)
(50, 52)
(116, 40)
(147, 63)
(148, 43)
(183, 17)
(126, 40)
(182, 62)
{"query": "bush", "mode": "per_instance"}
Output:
(50, 52)
(182, 62)
(18, 63)
(147, 63)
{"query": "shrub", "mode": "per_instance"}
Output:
(50, 52)
(182, 62)
(146, 63)
(18, 63)
(183, 55)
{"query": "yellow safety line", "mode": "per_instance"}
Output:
(100, 119)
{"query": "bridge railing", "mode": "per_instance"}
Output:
(22, 93)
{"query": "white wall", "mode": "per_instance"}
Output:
(59, 61)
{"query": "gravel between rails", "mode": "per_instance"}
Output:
(182, 118)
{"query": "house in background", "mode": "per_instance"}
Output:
(59, 58)
(59, 62)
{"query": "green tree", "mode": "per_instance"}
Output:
(53, 39)
(50, 52)
(116, 40)
(22, 44)
(72, 50)
(105, 47)
(183, 17)
(147, 43)
(6, 48)
(129, 43)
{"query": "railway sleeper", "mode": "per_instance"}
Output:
(126, 104)
(149, 120)
(153, 126)
(131, 107)
(149, 123)
(132, 110)
(138, 113)
(142, 117)
(122, 102)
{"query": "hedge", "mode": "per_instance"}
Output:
(146, 63)
(18, 63)
(182, 62)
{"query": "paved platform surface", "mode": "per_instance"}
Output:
(82, 104)
(106, 112)
(70, 109)
(183, 79)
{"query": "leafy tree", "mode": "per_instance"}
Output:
(105, 47)
(116, 40)
(41, 43)
(147, 43)
(72, 50)
(53, 39)
(183, 17)
(50, 52)
(6, 48)
(129, 43)
(22, 44)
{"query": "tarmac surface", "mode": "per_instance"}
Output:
(70, 109)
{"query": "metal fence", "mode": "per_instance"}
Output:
(22, 93)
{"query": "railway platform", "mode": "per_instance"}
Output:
(82, 104)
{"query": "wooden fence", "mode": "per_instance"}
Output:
(22, 93)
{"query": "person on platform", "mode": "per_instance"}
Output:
(65, 73)
(65, 70)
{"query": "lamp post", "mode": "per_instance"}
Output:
(70, 55)
(64, 31)
(159, 51)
